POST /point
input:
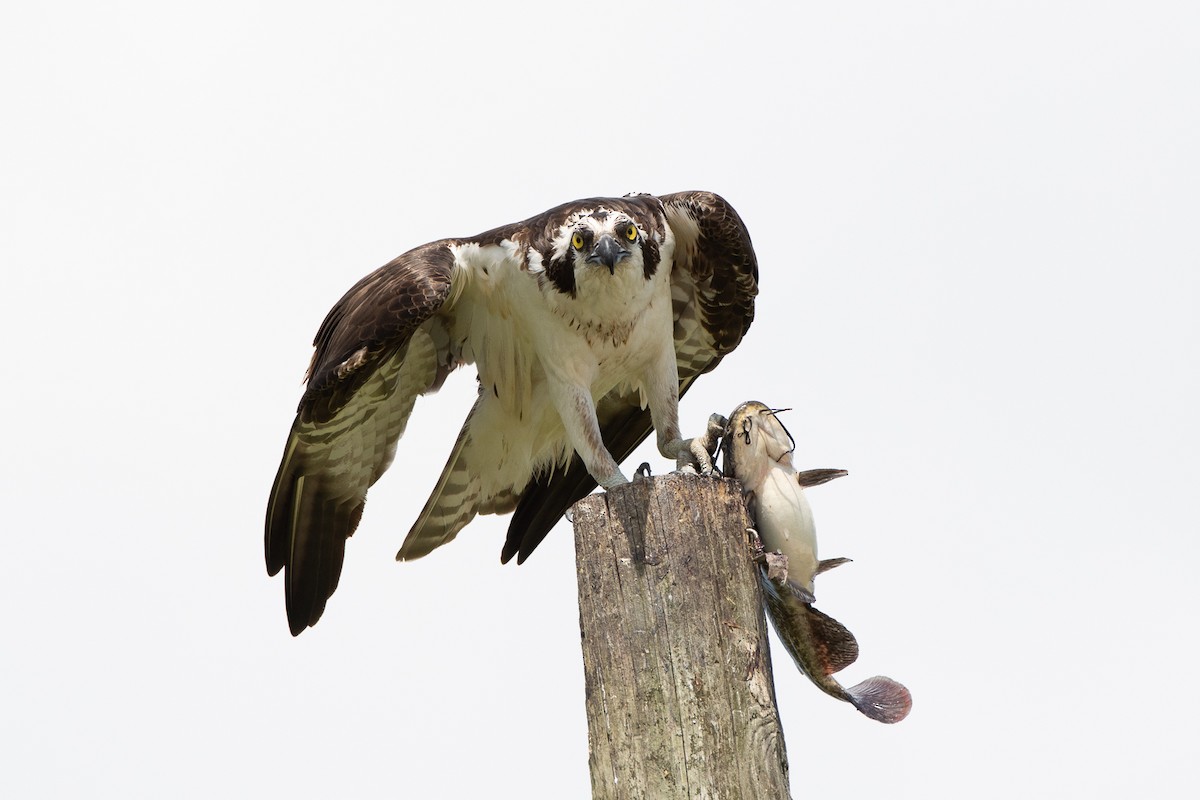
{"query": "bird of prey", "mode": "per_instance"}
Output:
(586, 324)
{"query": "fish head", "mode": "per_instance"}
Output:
(754, 440)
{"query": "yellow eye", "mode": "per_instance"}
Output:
(631, 233)
(577, 241)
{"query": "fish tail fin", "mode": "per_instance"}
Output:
(882, 699)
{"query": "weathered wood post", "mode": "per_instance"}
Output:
(680, 695)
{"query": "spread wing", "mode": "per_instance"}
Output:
(375, 352)
(714, 281)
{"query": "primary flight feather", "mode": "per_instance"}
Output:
(586, 324)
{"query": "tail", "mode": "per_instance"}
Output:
(882, 699)
(454, 502)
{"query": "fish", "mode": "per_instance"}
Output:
(821, 646)
(757, 451)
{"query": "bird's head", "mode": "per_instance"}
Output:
(602, 241)
(755, 438)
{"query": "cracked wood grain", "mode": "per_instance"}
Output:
(679, 692)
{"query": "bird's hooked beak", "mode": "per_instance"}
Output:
(607, 252)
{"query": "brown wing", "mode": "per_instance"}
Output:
(374, 355)
(714, 282)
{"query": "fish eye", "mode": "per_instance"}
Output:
(577, 240)
(631, 232)
(746, 426)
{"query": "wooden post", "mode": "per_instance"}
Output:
(677, 668)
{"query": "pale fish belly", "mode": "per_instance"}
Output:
(785, 523)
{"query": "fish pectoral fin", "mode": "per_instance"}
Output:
(826, 564)
(815, 477)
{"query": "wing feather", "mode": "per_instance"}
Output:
(374, 355)
(453, 503)
(385, 342)
(713, 251)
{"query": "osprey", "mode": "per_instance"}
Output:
(586, 324)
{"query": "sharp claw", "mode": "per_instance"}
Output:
(714, 431)
(693, 458)
(696, 455)
(643, 471)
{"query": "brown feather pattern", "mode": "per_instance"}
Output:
(383, 344)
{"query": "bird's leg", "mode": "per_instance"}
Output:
(691, 455)
(662, 389)
(697, 454)
(712, 439)
(687, 460)
(578, 412)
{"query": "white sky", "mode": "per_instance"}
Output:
(977, 231)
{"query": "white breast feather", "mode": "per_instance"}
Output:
(515, 329)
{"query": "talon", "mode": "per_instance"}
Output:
(704, 447)
(643, 471)
(692, 457)
(699, 450)
(717, 425)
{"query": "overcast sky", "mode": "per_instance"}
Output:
(976, 225)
